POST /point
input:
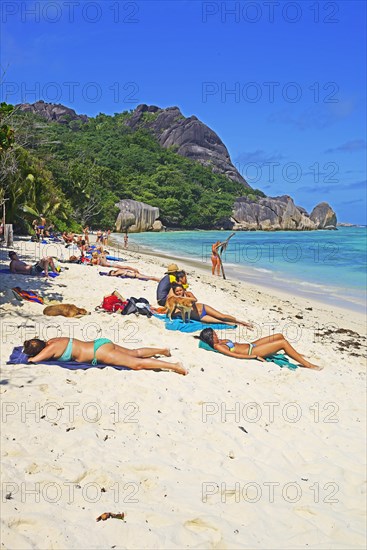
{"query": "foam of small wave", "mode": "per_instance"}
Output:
(262, 270)
(314, 285)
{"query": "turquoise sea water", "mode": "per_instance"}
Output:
(328, 265)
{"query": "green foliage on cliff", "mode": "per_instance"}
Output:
(80, 170)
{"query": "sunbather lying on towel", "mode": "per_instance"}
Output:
(256, 350)
(101, 350)
(205, 313)
(17, 266)
(131, 274)
(102, 260)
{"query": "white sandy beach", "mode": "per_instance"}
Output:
(238, 454)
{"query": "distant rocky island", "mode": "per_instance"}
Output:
(191, 138)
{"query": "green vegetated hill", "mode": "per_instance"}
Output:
(74, 172)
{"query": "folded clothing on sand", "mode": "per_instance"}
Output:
(192, 326)
(17, 357)
(278, 358)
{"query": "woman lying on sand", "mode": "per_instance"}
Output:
(102, 261)
(101, 350)
(264, 347)
(130, 274)
(205, 313)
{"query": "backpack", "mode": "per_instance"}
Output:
(137, 305)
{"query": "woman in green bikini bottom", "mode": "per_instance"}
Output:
(101, 351)
(256, 350)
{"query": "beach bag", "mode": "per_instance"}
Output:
(137, 305)
(130, 307)
(113, 303)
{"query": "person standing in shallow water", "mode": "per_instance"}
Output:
(215, 258)
(126, 240)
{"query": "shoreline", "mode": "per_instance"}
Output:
(249, 275)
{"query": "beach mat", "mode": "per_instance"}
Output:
(17, 357)
(278, 358)
(192, 326)
(114, 259)
(8, 272)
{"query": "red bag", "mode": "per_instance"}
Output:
(112, 303)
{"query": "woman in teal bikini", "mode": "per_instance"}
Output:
(256, 350)
(101, 351)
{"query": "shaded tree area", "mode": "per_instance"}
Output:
(75, 172)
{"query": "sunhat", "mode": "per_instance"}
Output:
(172, 268)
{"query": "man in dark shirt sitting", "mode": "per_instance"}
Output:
(164, 284)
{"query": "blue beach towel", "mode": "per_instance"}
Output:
(281, 360)
(278, 358)
(8, 272)
(192, 326)
(114, 259)
(17, 357)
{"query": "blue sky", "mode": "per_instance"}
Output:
(282, 83)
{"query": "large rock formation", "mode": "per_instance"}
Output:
(137, 216)
(279, 213)
(190, 137)
(323, 216)
(193, 139)
(52, 112)
(267, 214)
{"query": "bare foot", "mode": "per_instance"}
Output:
(167, 352)
(180, 369)
(243, 323)
(314, 367)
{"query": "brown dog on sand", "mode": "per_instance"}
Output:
(67, 310)
(183, 304)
